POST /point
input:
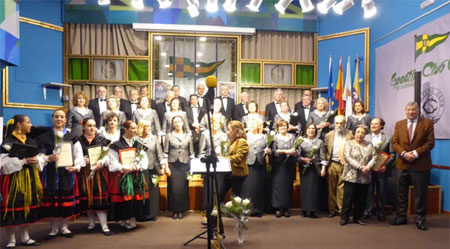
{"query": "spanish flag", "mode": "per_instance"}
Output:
(426, 43)
(183, 67)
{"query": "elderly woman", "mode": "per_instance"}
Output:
(360, 157)
(175, 110)
(216, 114)
(253, 114)
(283, 162)
(144, 111)
(178, 149)
(321, 117)
(111, 130)
(285, 115)
(112, 104)
(359, 117)
(156, 166)
(312, 155)
(78, 113)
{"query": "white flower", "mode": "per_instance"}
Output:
(59, 133)
(7, 147)
(214, 212)
(228, 204)
(246, 202)
(237, 199)
(272, 133)
(295, 114)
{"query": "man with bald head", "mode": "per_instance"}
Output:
(273, 108)
(201, 94)
(228, 105)
(125, 104)
(334, 156)
(98, 105)
(241, 109)
(304, 107)
(163, 107)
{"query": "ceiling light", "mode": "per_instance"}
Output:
(369, 8)
(164, 4)
(163, 54)
(202, 39)
(253, 5)
(104, 2)
(229, 5)
(306, 5)
(212, 6)
(192, 8)
(342, 6)
(325, 5)
(426, 3)
(137, 4)
(195, 29)
(282, 5)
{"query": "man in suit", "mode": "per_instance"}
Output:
(144, 92)
(381, 142)
(201, 94)
(413, 140)
(125, 105)
(133, 95)
(274, 107)
(163, 107)
(176, 91)
(334, 155)
(195, 114)
(228, 106)
(303, 108)
(241, 109)
(98, 105)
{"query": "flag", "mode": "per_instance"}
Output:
(185, 68)
(330, 86)
(356, 92)
(347, 94)
(426, 43)
(339, 89)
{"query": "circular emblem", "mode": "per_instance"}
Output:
(433, 104)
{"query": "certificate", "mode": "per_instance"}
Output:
(94, 154)
(223, 165)
(382, 158)
(65, 158)
(127, 156)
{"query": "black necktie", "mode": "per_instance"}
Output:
(102, 99)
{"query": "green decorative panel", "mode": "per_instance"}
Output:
(304, 75)
(78, 69)
(251, 73)
(137, 70)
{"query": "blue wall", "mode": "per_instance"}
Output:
(41, 56)
(391, 15)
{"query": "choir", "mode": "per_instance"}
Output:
(119, 148)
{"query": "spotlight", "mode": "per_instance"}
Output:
(164, 4)
(137, 4)
(306, 5)
(282, 5)
(342, 6)
(192, 8)
(104, 2)
(325, 5)
(369, 8)
(230, 5)
(253, 5)
(426, 3)
(212, 6)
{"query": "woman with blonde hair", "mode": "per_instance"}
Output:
(237, 153)
(321, 117)
(144, 111)
(78, 113)
(112, 104)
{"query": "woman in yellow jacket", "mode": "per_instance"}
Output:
(237, 152)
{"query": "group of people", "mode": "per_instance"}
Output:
(164, 136)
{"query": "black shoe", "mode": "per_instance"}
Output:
(331, 215)
(153, 219)
(30, 242)
(399, 221)
(381, 218)
(90, 229)
(107, 232)
(366, 216)
(259, 215)
(343, 222)
(180, 216)
(312, 215)
(287, 214)
(50, 236)
(421, 225)
(304, 214)
(361, 222)
(174, 216)
(278, 214)
(67, 235)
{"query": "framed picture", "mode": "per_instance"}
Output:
(160, 88)
(277, 74)
(232, 89)
(109, 70)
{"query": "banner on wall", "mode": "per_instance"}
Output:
(427, 50)
(9, 31)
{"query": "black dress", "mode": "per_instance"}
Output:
(15, 210)
(283, 173)
(93, 192)
(61, 195)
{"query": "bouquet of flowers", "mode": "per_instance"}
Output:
(223, 147)
(326, 120)
(378, 147)
(310, 155)
(155, 180)
(298, 141)
(239, 210)
(59, 136)
(129, 184)
(105, 151)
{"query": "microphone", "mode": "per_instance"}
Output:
(211, 83)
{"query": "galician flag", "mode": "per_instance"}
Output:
(183, 67)
(347, 93)
(426, 43)
(339, 89)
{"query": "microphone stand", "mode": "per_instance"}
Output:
(211, 188)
